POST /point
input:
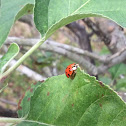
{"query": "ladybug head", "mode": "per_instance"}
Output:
(75, 66)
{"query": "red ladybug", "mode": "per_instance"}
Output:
(71, 70)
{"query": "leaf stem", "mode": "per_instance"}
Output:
(18, 120)
(10, 120)
(5, 74)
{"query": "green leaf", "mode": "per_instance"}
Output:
(117, 70)
(105, 80)
(49, 15)
(11, 53)
(121, 83)
(83, 101)
(10, 11)
(24, 106)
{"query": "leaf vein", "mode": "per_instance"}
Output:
(80, 7)
(117, 115)
(91, 104)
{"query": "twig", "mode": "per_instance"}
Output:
(95, 28)
(113, 60)
(77, 54)
(56, 47)
(109, 32)
(31, 42)
(79, 51)
(117, 54)
(8, 102)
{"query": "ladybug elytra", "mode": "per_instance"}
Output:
(71, 70)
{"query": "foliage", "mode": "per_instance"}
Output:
(121, 84)
(47, 24)
(68, 12)
(105, 79)
(117, 70)
(83, 100)
(118, 74)
(10, 11)
(59, 100)
(25, 104)
(115, 73)
(11, 53)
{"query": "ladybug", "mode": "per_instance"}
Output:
(71, 70)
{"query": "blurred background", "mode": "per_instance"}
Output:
(98, 45)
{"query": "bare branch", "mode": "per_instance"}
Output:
(109, 32)
(31, 42)
(117, 54)
(95, 28)
(79, 51)
(76, 54)
(8, 102)
(113, 60)
(82, 35)
(56, 47)
(48, 46)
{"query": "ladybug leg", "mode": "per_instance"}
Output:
(73, 75)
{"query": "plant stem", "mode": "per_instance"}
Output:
(10, 120)
(18, 120)
(5, 74)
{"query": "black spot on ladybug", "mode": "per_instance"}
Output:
(68, 74)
